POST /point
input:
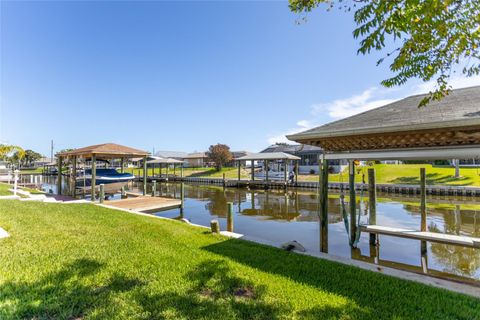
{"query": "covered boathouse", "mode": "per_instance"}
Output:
(105, 151)
(445, 129)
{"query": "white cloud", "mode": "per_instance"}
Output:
(337, 109)
(342, 108)
(302, 125)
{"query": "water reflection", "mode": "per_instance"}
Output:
(279, 216)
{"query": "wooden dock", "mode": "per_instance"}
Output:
(145, 203)
(463, 241)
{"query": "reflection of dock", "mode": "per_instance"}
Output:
(463, 241)
(145, 203)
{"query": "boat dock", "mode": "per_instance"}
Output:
(463, 241)
(145, 203)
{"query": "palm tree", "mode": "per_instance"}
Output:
(7, 151)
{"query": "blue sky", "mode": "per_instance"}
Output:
(179, 75)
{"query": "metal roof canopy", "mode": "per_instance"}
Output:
(268, 156)
(438, 153)
(165, 161)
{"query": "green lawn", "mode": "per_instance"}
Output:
(31, 171)
(410, 174)
(82, 261)
(4, 189)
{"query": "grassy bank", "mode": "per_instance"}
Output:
(410, 174)
(4, 189)
(83, 261)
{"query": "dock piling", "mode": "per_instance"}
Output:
(102, 193)
(182, 197)
(215, 226)
(353, 201)
(372, 201)
(154, 187)
(230, 216)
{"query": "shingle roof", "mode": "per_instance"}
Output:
(460, 108)
(105, 149)
(195, 155)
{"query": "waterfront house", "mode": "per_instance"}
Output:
(309, 156)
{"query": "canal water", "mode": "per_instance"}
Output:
(278, 216)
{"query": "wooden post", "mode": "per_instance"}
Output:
(253, 170)
(372, 202)
(144, 175)
(59, 176)
(123, 194)
(166, 171)
(285, 169)
(223, 180)
(122, 165)
(230, 216)
(174, 170)
(423, 200)
(457, 168)
(266, 170)
(94, 177)
(160, 166)
(296, 172)
(215, 226)
(182, 198)
(423, 218)
(323, 198)
(102, 193)
(353, 201)
(239, 167)
(154, 188)
(74, 177)
(181, 171)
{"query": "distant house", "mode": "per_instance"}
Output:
(41, 162)
(239, 154)
(309, 156)
(196, 160)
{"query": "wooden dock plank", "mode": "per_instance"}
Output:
(145, 203)
(426, 236)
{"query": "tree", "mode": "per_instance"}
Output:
(220, 155)
(7, 151)
(431, 37)
(30, 157)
